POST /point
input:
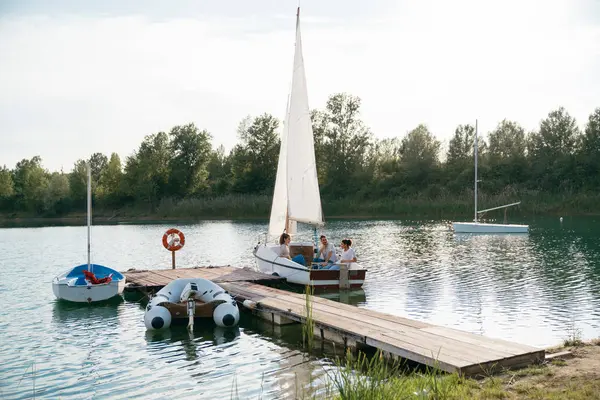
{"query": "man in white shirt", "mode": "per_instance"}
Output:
(326, 253)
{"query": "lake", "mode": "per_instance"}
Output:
(534, 289)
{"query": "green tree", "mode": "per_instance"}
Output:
(551, 151)
(57, 194)
(506, 156)
(30, 183)
(419, 157)
(98, 163)
(459, 158)
(147, 171)
(78, 184)
(109, 187)
(343, 143)
(219, 171)
(256, 158)
(7, 188)
(190, 149)
(590, 151)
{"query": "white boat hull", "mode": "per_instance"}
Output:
(65, 290)
(71, 286)
(269, 262)
(478, 227)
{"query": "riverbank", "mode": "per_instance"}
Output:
(574, 376)
(257, 207)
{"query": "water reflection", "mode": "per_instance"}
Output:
(65, 312)
(531, 288)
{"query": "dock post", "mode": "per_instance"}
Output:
(344, 279)
(173, 258)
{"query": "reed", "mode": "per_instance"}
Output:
(380, 377)
(442, 205)
(230, 206)
(308, 327)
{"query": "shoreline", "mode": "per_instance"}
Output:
(81, 219)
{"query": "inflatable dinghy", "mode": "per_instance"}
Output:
(183, 294)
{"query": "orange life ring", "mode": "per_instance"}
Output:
(175, 244)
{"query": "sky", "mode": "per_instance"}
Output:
(79, 76)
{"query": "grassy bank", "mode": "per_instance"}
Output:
(443, 206)
(576, 377)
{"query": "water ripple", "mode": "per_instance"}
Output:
(532, 288)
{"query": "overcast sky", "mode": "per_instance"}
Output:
(78, 77)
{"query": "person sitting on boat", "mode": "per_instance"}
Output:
(348, 255)
(326, 253)
(284, 249)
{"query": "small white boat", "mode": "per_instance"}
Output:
(296, 196)
(478, 227)
(88, 283)
(178, 300)
(484, 227)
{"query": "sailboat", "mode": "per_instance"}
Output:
(88, 283)
(482, 227)
(296, 197)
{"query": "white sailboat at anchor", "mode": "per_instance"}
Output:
(88, 283)
(296, 197)
(483, 227)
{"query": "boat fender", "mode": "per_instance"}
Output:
(157, 317)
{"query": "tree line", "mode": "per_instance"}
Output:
(557, 157)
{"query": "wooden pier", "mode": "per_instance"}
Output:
(448, 349)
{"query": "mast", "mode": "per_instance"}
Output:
(475, 152)
(89, 213)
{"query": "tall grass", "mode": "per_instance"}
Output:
(230, 206)
(380, 377)
(442, 205)
(308, 327)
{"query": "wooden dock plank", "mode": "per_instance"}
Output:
(489, 350)
(342, 306)
(447, 348)
(427, 345)
(161, 277)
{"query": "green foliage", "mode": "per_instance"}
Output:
(343, 141)
(189, 154)
(110, 181)
(7, 187)
(30, 184)
(180, 174)
(254, 161)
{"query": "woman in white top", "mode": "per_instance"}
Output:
(348, 255)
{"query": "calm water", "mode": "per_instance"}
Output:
(534, 289)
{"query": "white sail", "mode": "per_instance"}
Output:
(304, 199)
(296, 196)
(279, 205)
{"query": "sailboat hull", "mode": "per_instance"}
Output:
(478, 227)
(72, 285)
(270, 263)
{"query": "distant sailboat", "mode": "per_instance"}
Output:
(88, 283)
(296, 197)
(481, 227)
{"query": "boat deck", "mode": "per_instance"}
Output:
(448, 349)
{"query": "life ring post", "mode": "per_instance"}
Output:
(173, 240)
